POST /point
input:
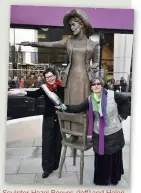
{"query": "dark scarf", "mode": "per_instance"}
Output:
(102, 120)
(53, 87)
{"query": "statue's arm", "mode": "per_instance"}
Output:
(54, 44)
(94, 67)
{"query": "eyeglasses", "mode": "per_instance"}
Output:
(94, 84)
(47, 77)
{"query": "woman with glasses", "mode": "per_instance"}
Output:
(51, 136)
(107, 109)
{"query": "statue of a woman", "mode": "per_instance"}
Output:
(81, 50)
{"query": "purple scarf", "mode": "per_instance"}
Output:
(102, 120)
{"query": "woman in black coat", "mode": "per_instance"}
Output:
(107, 109)
(51, 136)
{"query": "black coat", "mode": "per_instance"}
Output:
(51, 136)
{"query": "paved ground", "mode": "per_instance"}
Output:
(23, 166)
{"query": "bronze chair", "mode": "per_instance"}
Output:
(81, 141)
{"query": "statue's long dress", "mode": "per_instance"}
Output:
(78, 84)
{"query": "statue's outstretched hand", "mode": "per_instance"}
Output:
(27, 43)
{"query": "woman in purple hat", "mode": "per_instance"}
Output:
(107, 109)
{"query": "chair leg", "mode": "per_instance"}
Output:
(74, 157)
(62, 161)
(81, 166)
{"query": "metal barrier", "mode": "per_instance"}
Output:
(37, 70)
(108, 76)
(23, 72)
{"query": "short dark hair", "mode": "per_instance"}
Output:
(100, 80)
(53, 71)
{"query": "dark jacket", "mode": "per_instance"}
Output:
(49, 109)
(115, 141)
(121, 100)
(51, 136)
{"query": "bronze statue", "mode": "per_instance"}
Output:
(81, 50)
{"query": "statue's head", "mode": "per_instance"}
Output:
(77, 21)
(76, 26)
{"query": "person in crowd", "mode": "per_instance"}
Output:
(12, 82)
(117, 86)
(107, 109)
(31, 81)
(111, 84)
(51, 136)
(123, 84)
(15, 82)
(38, 82)
(106, 86)
(21, 83)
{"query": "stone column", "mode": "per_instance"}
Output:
(123, 45)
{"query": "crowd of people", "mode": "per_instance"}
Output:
(35, 80)
(32, 80)
(119, 85)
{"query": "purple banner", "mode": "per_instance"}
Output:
(53, 16)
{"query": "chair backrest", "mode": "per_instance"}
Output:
(80, 119)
